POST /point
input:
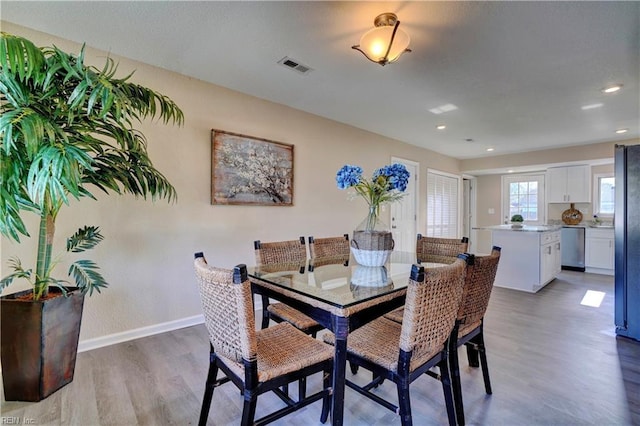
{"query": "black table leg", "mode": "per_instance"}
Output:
(341, 331)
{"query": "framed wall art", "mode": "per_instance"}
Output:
(246, 170)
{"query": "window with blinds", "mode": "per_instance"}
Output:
(443, 196)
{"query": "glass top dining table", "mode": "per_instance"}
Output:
(340, 295)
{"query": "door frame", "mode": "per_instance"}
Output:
(416, 194)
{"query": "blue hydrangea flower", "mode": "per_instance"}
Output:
(348, 176)
(386, 186)
(397, 176)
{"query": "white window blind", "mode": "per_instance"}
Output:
(442, 205)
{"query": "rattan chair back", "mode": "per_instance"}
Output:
(280, 256)
(479, 279)
(292, 251)
(469, 329)
(228, 310)
(329, 247)
(440, 250)
(256, 361)
(430, 310)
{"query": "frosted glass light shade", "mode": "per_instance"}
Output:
(375, 43)
(385, 42)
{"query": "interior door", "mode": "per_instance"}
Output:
(404, 214)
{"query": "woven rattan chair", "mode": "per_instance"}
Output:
(255, 361)
(284, 252)
(329, 247)
(437, 250)
(440, 250)
(468, 331)
(404, 352)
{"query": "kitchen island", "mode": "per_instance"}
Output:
(530, 257)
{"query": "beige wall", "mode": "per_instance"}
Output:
(488, 197)
(148, 249)
(576, 155)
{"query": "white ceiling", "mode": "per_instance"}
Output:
(519, 72)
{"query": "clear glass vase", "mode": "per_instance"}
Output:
(372, 222)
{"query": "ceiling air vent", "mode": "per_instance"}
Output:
(294, 65)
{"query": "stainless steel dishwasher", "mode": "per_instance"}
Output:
(572, 248)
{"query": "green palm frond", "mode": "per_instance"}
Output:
(66, 127)
(20, 57)
(18, 272)
(86, 275)
(85, 238)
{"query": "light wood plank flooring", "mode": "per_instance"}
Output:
(552, 362)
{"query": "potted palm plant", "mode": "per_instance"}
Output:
(66, 129)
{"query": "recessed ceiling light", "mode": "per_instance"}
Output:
(443, 108)
(612, 89)
(619, 131)
(591, 106)
(490, 149)
(509, 171)
(441, 127)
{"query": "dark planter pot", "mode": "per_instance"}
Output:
(39, 344)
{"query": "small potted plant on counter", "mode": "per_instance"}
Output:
(516, 221)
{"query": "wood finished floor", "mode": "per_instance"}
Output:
(552, 362)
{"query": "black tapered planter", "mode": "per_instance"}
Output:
(39, 343)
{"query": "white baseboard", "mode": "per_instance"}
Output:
(112, 339)
(600, 271)
(125, 336)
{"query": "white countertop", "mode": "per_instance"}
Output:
(525, 228)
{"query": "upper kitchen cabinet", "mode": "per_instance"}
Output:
(569, 184)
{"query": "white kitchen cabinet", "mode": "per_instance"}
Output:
(550, 257)
(569, 184)
(599, 251)
(529, 259)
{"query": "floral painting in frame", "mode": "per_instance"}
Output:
(246, 170)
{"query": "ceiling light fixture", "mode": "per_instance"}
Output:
(612, 89)
(384, 43)
(441, 127)
(490, 149)
(620, 131)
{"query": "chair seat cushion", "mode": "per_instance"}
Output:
(465, 329)
(291, 315)
(283, 349)
(379, 342)
(396, 315)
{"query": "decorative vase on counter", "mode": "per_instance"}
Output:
(572, 216)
